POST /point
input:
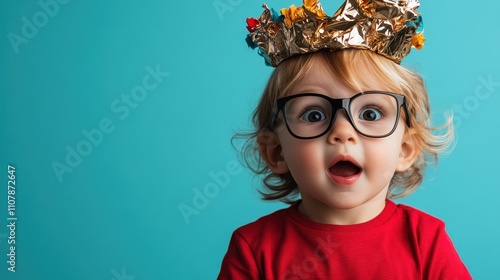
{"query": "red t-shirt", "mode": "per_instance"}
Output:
(400, 243)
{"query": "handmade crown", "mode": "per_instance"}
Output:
(387, 27)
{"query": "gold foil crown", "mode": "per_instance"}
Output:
(387, 27)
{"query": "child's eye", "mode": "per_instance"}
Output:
(371, 114)
(313, 115)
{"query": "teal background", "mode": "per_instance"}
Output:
(116, 214)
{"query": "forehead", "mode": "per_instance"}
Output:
(337, 83)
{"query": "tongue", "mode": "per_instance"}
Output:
(344, 169)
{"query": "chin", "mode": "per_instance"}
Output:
(345, 205)
(348, 203)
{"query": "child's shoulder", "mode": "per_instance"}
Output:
(418, 217)
(268, 222)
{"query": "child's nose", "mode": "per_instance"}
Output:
(342, 130)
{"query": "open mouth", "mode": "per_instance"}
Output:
(344, 168)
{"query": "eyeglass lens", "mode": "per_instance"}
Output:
(371, 114)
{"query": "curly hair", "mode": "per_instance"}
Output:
(349, 66)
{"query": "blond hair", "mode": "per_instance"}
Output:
(348, 66)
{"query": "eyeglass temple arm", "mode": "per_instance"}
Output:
(408, 123)
(275, 117)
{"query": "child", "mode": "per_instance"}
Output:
(344, 126)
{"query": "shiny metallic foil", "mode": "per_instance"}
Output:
(383, 26)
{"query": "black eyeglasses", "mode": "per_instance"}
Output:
(373, 114)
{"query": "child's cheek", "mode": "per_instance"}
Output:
(305, 157)
(381, 160)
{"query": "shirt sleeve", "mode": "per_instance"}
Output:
(442, 259)
(239, 261)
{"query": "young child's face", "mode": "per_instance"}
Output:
(310, 161)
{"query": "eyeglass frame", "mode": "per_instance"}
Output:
(337, 104)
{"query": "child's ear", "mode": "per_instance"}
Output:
(270, 150)
(409, 153)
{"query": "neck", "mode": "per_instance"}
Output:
(323, 213)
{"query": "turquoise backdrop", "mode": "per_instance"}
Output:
(117, 117)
